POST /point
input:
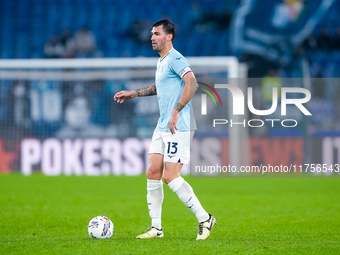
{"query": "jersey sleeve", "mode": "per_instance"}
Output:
(180, 66)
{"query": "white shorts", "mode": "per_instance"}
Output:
(174, 147)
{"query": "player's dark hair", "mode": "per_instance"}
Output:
(168, 27)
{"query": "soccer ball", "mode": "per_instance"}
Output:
(100, 227)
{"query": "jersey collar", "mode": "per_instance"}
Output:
(166, 54)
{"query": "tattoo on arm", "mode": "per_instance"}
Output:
(148, 91)
(179, 107)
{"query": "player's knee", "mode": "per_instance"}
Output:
(167, 177)
(153, 173)
(150, 175)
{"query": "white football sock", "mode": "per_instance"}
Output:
(188, 197)
(155, 198)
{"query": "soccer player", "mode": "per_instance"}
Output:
(170, 146)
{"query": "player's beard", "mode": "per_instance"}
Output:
(157, 48)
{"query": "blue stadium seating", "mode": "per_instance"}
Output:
(25, 25)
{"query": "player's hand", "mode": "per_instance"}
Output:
(123, 95)
(173, 121)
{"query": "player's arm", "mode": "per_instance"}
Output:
(188, 92)
(148, 91)
(123, 95)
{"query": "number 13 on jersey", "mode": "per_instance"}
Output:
(172, 147)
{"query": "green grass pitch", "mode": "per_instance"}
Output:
(49, 215)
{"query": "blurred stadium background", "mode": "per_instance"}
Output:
(63, 120)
